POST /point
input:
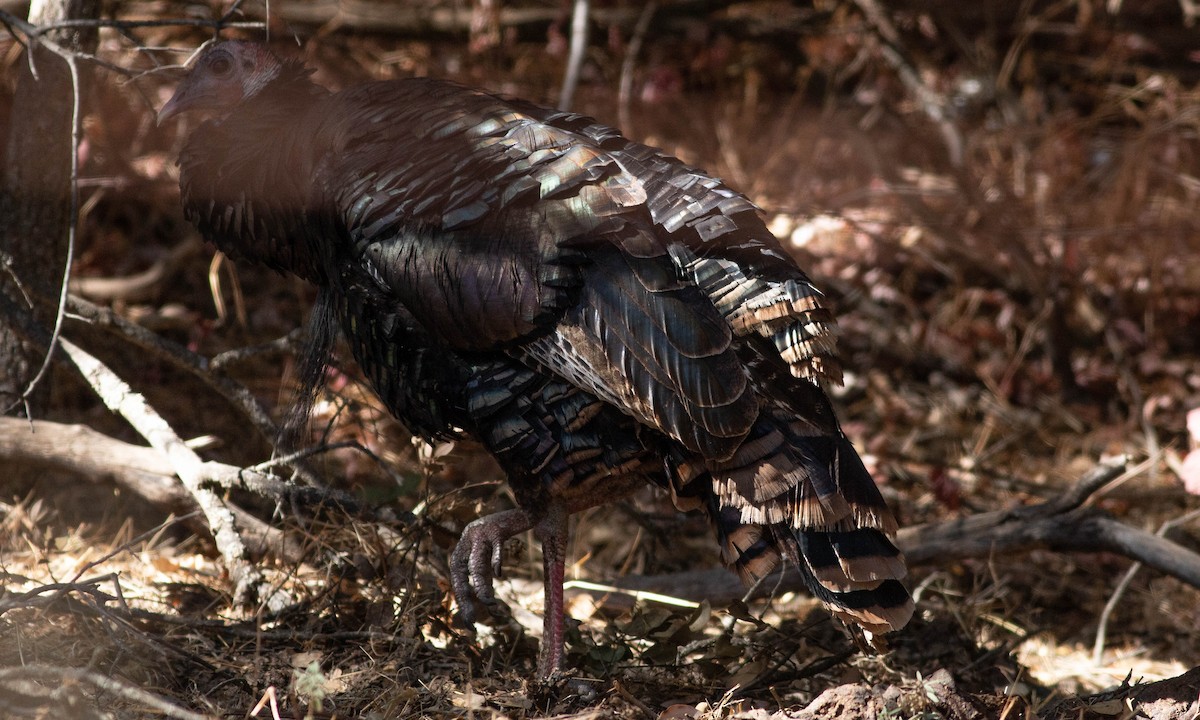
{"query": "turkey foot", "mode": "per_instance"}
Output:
(475, 562)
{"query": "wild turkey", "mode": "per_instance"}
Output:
(596, 313)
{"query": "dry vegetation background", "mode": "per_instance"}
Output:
(1000, 199)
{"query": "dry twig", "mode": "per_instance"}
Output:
(625, 87)
(932, 102)
(579, 40)
(58, 684)
(119, 397)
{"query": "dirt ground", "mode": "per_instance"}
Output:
(1018, 290)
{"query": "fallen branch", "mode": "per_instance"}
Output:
(142, 285)
(80, 310)
(248, 581)
(178, 356)
(59, 685)
(1176, 698)
(1110, 606)
(142, 471)
(388, 17)
(149, 474)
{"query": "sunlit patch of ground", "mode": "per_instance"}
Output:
(1071, 669)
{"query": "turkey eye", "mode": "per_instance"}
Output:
(221, 66)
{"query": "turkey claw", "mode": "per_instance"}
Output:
(476, 563)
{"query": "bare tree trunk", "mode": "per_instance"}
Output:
(35, 191)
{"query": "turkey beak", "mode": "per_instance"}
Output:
(178, 103)
(189, 96)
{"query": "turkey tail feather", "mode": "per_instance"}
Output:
(808, 502)
(855, 574)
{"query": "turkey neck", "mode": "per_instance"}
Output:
(246, 179)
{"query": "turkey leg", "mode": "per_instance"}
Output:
(551, 532)
(476, 561)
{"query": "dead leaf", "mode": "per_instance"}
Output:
(679, 711)
(1189, 472)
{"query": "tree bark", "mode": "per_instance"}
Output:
(35, 191)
